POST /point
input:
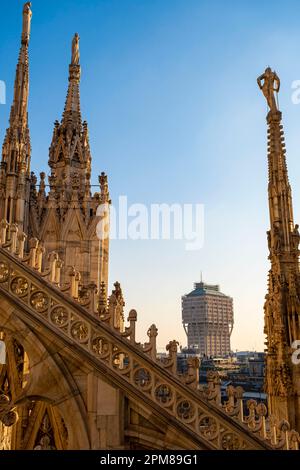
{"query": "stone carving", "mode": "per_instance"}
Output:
(282, 303)
(59, 316)
(213, 391)
(142, 378)
(75, 50)
(27, 14)
(39, 301)
(80, 331)
(18, 361)
(121, 361)
(208, 427)
(269, 240)
(163, 394)
(5, 437)
(9, 419)
(271, 84)
(186, 410)
(276, 239)
(8, 414)
(293, 288)
(192, 375)
(19, 286)
(296, 238)
(44, 444)
(105, 199)
(230, 442)
(4, 272)
(84, 296)
(45, 437)
(100, 347)
(282, 380)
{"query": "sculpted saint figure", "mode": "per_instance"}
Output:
(44, 444)
(27, 14)
(271, 84)
(296, 237)
(75, 50)
(276, 239)
(269, 239)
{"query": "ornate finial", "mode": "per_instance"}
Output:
(102, 297)
(172, 347)
(270, 85)
(132, 317)
(75, 181)
(104, 189)
(33, 178)
(74, 67)
(42, 184)
(117, 291)
(75, 50)
(152, 331)
(27, 14)
(103, 181)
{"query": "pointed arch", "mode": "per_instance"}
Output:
(47, 388)
(74, 221)
(60, 150)
(76, 150)
(50, 229)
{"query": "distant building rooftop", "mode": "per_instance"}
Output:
(200, 288)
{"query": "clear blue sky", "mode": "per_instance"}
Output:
(169, 92)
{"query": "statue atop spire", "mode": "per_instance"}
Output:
(27, 14)
(270, 85)
(74, 67)
(75, 50)
(282, 305)
(70, 203)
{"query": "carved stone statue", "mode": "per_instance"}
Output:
(276, 239)
(269, 239)
(271, 84)
(27, 14)
(292, 288)
(44, 444)
(296, 237)
(75, 50)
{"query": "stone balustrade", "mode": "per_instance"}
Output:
(166, 393)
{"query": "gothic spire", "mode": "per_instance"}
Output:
(282, 306)
(69, 155)
(72, 107)
(16, 147)
(16, 150)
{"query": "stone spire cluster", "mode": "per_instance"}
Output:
(282, 305)
(64, 217)
(16, 150)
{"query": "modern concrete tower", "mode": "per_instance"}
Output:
(207, 317)
(282, 306)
